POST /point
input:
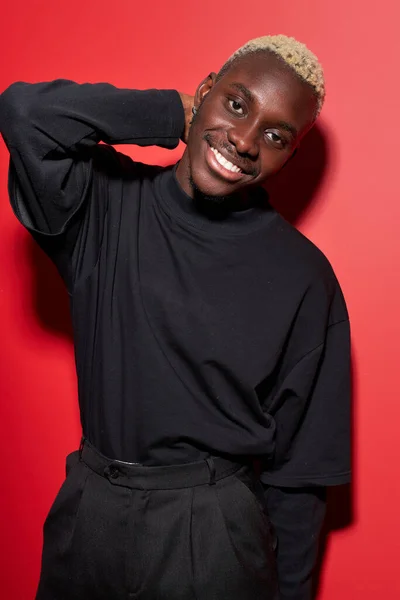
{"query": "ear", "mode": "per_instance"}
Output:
(205, 86)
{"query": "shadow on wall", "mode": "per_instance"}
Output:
(50, 296)
(292, 192)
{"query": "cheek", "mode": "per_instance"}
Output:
(272, 161)
(195, 148)
(195, 137)
(210, 117)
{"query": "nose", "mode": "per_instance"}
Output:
(245, 139)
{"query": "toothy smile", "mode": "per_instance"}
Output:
(224, 162)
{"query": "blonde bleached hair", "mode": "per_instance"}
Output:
(293, 53)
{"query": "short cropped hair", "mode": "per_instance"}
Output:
(293, 53)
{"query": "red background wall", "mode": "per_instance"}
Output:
(345, 198)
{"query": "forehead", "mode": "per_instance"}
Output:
(274, 87)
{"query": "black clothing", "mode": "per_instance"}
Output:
(296, 515)
(194, 335)
(121, 531)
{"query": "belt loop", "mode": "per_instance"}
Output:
(211, 468)
(81, 445)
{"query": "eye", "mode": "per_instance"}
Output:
(236, 107)
(276, 138)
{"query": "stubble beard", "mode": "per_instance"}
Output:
(205, 199)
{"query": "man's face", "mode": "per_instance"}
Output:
(248, 125)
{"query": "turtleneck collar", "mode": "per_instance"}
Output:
(209, 217)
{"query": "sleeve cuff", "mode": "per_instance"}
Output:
(176, 112)
(275, 479)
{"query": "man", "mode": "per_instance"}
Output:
(211, 338)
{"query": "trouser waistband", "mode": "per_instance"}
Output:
(137, 476)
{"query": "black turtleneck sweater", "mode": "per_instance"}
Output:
(195, 333)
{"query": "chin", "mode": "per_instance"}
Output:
(206, 182)
(206, 185)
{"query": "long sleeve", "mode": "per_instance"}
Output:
(50, 129)
(297, 517)
(311, 409)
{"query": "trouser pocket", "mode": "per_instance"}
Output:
(231, 549)
(248, 527)
(254, 489)
(59, 527)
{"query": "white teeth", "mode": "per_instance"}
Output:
(225, 163)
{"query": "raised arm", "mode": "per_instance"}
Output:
(71, 116)
(49, 129)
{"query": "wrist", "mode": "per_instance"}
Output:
(187, 103)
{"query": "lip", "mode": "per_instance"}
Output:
(219, 170)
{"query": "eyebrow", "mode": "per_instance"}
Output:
(250, 97)
(287, 127)
(242, 88)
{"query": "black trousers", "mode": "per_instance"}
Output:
(119, 531)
